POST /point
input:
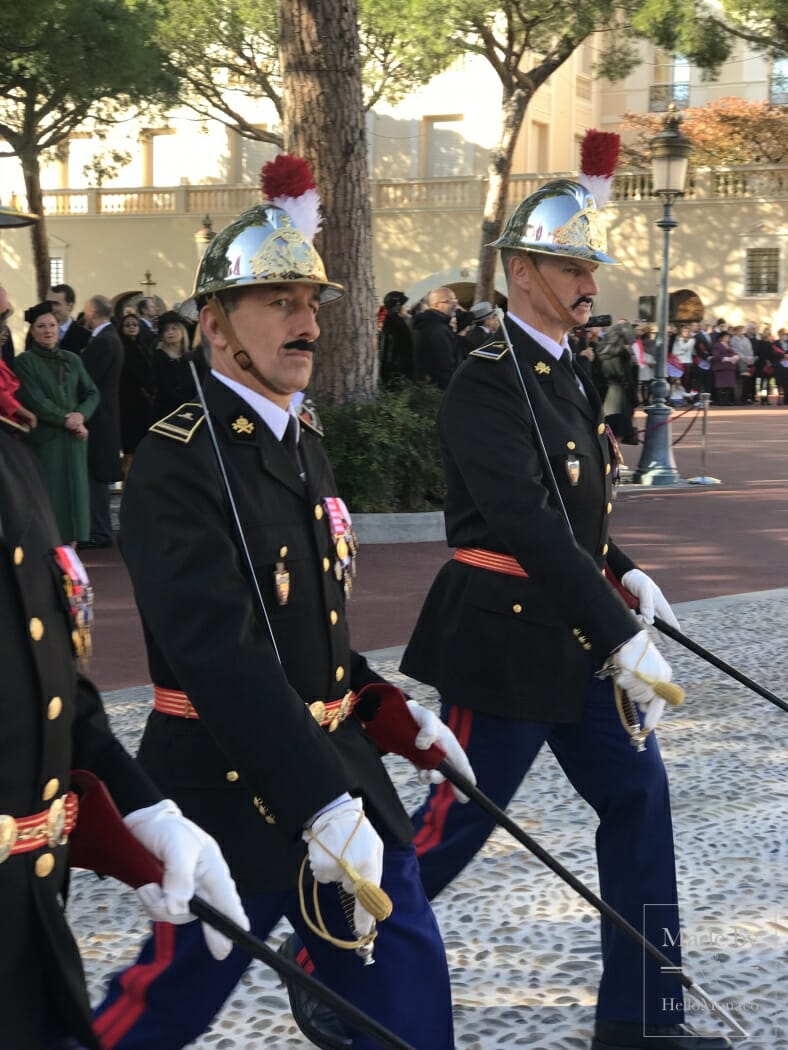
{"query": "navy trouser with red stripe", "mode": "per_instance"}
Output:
(175, 989)
(634, 839)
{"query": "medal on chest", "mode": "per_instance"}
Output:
(344, 540)
(79, 596)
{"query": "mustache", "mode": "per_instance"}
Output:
(301, 344)
(582, 299)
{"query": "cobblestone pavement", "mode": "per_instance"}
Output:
(522, 947)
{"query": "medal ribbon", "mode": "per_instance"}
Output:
(341, 528)
(80, 598)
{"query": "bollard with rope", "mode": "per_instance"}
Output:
(703, 478)
(694, 407)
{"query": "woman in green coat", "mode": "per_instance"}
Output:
(55, 385)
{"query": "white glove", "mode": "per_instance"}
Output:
(193, 864)
(433, 731)
(640, 654)
(345, 832)
(650, 598)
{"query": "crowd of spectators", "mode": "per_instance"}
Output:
(428, 341)
(86, 389)
(744, 364)
(735, 365)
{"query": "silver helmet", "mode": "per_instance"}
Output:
(262, 246)
(560, 219)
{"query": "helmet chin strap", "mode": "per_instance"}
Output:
(240, 356)
(563, 312)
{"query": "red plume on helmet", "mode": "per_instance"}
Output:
(599, 152)
(287, 181)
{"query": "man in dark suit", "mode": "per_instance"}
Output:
(517, 624)
(72, 336)
(52, 721)
(103, 359)
(256, 727)
(149, 321)
(435, 347)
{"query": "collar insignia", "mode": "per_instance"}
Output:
(308, 417)
(542, 369)
(242, 425)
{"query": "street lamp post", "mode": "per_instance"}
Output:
(670, 151)
(203, 237)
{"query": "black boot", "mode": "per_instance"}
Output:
(612, 1035)
(317, 1021)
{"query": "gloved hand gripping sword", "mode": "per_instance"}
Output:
(102, 842)
(669, 626)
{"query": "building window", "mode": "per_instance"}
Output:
(778, 82)
(670, 82)
(763, 271)
(444, 150)
(57, 270)
(540, 146)
(161, 157)
(253, 155)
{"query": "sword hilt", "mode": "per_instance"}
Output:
(671, 692)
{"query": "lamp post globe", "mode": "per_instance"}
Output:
(670, 153)
(203, 237)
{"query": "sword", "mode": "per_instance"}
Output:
(718, 662)
(695, 647)
(393, 728)
(101, 842)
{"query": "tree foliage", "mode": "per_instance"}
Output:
(67, 63)
(761, 22)
(403, 44)
(728, 131)
(226, 54)
(526, 41)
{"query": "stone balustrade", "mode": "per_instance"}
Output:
(460, 193)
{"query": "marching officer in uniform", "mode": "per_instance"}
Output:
(241, 554)
(518, 623)
(53, 721)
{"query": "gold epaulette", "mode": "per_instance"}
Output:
(182, 424)
(490, 351)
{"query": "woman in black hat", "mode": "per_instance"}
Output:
(395, 342)
(57, 388)
(137, 387)
(171, 373)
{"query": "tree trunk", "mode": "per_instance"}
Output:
(323, 118)
(38, 233)
(513, 112)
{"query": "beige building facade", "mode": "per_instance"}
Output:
(428, 159)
